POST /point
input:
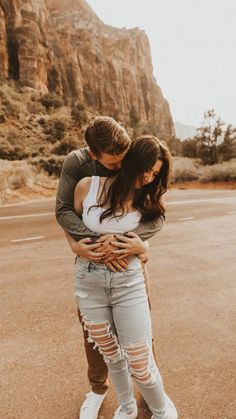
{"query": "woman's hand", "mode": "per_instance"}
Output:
(128, 245)
(113, 262)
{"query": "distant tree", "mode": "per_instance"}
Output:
(189, 148)
(227, 149)
(174, 145)
(208, 137)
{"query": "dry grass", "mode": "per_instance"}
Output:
(187, 170)
(15, 175)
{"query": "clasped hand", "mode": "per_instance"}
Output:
(112, 250)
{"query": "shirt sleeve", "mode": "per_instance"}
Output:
(65, 214)
(148, 229)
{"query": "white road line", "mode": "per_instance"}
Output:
(28, 239)
(185, 219)
(33, 201)
(210, 200)
(43, 214)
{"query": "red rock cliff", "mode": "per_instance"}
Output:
(62, 46)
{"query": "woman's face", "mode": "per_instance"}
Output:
(150, 175)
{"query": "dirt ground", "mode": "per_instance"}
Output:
(192, 268)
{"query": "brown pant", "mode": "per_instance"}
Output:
(97, 368)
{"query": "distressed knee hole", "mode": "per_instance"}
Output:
(138, 355)
(103, 338)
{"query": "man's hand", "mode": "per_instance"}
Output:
(118, 265)
(128, 245)
(88, 251)
(111, 262)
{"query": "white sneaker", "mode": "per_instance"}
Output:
(121, 414)
(171, 412)
(91, 405)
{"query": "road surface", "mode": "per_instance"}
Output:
(193, 269)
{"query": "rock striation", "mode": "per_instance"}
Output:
(63, 47)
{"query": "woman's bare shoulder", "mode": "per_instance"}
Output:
(83, 185)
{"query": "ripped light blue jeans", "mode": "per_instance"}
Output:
(116, 314)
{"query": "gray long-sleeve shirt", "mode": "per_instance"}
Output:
(77, 165)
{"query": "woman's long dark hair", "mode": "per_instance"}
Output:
(143, 153)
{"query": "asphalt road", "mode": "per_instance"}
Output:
(192, 268)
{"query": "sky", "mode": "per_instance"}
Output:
(193, 46)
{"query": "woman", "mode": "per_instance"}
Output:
(114, 304)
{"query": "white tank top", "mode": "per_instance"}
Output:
(127, 222)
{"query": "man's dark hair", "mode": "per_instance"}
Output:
(105, 135)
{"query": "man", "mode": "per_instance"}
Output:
(108, 142)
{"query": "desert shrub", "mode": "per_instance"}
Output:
(12, 145)
(2, 117)
(22, 176)
(6, 170)
(15, 174)
(51, 100)
(51, 165)
(79, 115)
(10, 106)
(222, 172)
(54, 129)
(35, 108)
(185, 170)
(63, 147)
(11, 109)
(42, 121)
(7, 151)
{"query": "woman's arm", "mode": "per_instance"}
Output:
(80, 193)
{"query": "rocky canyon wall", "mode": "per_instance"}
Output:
(63, 47)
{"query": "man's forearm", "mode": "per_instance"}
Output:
(148, 229)
(72, 224)
(65, 213)
(70, 239)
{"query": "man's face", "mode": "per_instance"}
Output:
(110, 161)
